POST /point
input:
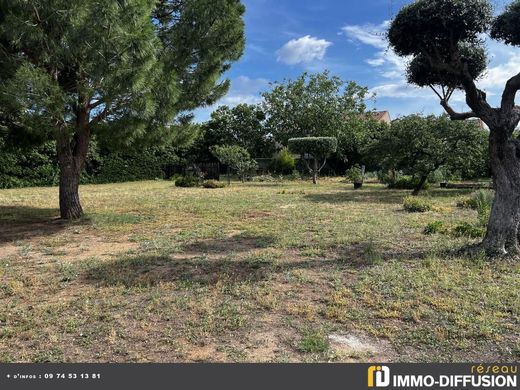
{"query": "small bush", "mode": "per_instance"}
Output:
(482, 199)
(407, 183)
(465, 229)
(355, 174)
(413, 204)
(434, 228)
(187, 181)
(284, 162)
(213, 184)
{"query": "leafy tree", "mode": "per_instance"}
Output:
(236, 158)
(443, 39)
(318, 148)
(419, 146)
(122, 70)
(284, 162)
(318, 105)
(242, 125)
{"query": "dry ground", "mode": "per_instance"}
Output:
(258, 272)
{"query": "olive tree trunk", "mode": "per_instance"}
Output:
(502, 233)
(420, 185)
(315, 172)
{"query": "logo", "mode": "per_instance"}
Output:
(378, 376)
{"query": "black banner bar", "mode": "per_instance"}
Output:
(258, 376)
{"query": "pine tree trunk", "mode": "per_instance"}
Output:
(72, 154)
(315, 172)
(502, 232)
(70, 206)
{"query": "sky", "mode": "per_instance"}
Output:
(287, 37)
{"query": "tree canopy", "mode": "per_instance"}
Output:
(419, 146)
(243, 125)
(318, 105)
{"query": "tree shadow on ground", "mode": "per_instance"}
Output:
(24, 222)
(232, 244)
(359, 196)
(151, 269)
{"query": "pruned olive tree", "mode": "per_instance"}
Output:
(124, 70)
(318, 148)
(443, 41)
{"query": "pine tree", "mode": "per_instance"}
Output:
(123, 70)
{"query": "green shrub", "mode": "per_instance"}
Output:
(435, 228)
(465, 229)
(407, 183)
(284, 162)
(187, 181)
(481, 201)
(213, 184)
(132, 166)
(413, 204)
(355, 174)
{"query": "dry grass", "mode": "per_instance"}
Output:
(255, 272)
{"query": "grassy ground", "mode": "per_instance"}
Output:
(278, 272)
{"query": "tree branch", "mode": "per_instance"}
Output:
(457, 116)
(508, 97)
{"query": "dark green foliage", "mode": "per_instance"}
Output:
(31, 167)
(405, 182)
(242, 125)
(213, 184)
(317, 147)
(284, 162)
(117, 167)
(187, 181)
(413, 204)
(421, 73)
(506, 27)
(419, 146)
(433, 25)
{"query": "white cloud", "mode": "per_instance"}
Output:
(390, 65)
(368, 34)
(505, 63)
(304, 49)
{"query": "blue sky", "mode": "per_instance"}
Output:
(288, 37)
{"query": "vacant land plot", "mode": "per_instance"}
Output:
(256, 272)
